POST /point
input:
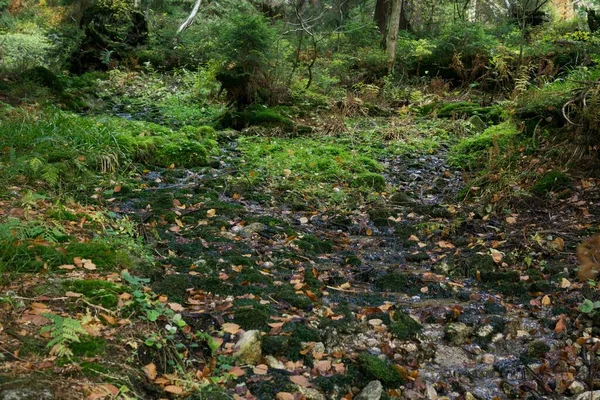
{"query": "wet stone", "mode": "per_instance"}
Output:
(457, 333)
(372, 391)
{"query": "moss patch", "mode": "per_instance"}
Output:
(404, 327)
(552, 181)
(377, 369)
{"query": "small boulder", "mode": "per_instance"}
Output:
(576, 387)
(457, 333)
(477, 124)
(372, 391)
(248, 348)
(250, 229)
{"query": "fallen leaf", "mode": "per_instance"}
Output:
(176, 307)
(211, 213)
(511, 220)
(73, 294)
(109, 319)
(284, 396)
(497, 256)
(445, 245)
(300, 380)
(89, 265)
(565, 283)
(231, 328)
(304, 220)
(173, 389)
(560, 325)
(150, 371)
(546, 300)
(67, 266)
(261, 369)
(237, 371)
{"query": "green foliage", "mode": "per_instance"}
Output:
(64, 333)
(19, 51)
(552, 181)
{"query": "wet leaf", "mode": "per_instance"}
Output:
(173, 389)
(301, 380)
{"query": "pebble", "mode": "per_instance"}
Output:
(576, 387)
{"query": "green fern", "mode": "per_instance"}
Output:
(64, 332)
(36, 164)
(50, 175)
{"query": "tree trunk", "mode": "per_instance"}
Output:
(190, 19)
(382, 9)
(392, 33)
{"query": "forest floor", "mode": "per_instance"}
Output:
(402, 283)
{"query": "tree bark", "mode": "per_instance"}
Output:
(392, 32)
(191, 18)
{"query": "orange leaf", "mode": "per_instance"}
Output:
(150, 371)
(109, 318)
(261, 369)
(284, 396)
(173, 389)
(237, 371)
(560, 325)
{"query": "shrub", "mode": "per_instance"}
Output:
(246, 46)
(20, 50)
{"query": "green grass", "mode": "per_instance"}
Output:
(67, 151)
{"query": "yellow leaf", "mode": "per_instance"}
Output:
(565, 283)
(497, 256)
(231, 328)
(546, 300)
(211, 213)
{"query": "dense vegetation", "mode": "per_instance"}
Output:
(295, 199)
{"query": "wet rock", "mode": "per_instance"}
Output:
(595, 395)
(26, 390)
(470, 396)
(310, 393)
(576, 388)
(457, 333)
(372, 391)
(248, 230)
(248, 349)
(451, 357)
(272, 362)
(431, 392)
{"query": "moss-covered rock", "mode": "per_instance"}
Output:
(404, 327)
(369, 180)
(377, 369)
(471, 152)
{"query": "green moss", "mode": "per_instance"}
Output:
(282, 346)
(255, 116)
(404, 327)
(286, 293)
(472, 152)
(88, 347)
(312, 244)
(552, 181)
(175, 286)
(103, 293)
(381, 370)
(250, 314)
(91, 369)
(101, 253)
(491, 114)
(369, 180)
(396, 282)
(537, 349)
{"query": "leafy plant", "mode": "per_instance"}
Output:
(64, 332)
